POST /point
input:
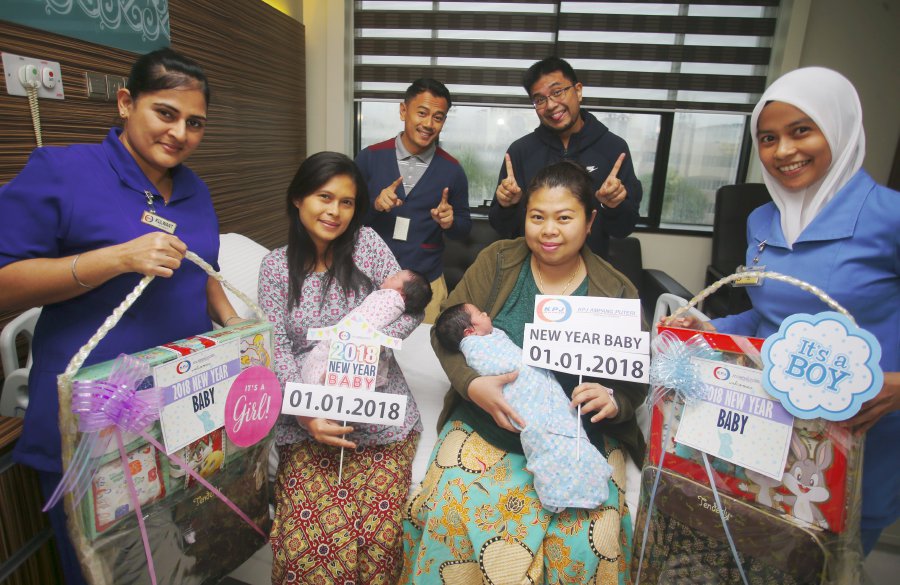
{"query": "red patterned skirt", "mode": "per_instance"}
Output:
(349, 533)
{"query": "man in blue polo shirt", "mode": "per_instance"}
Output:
(422, 191)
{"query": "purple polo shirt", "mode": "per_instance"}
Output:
(74, 199)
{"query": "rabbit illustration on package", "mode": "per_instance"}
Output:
(805, 479)
(762, 485)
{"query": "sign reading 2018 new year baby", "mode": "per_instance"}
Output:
(588, 336)
(821, 366)
(735, 420)
(350, 376)
(194, 391)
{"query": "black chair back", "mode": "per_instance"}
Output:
(459, 254)
(733, 205)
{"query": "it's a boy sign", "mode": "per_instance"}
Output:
(821, 366)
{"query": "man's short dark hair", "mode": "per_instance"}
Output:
(432, 86)
(416, 292)
(450, 326)
(546, 67)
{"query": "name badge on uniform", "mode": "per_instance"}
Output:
(748, 278)
(401, 228)
(158, 222)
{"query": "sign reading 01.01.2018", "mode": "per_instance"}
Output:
(347, 391)
(588, 336)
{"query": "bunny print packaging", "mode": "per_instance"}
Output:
(813, 487)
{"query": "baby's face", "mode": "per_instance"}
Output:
(396, 281)
(481, 322)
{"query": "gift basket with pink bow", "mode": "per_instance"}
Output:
(165, 452)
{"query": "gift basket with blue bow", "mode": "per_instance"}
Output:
(749, 478)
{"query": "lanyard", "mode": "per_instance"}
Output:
(150, 217)
(150, 198)
(759, 250)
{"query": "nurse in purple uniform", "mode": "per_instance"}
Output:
(76, 237)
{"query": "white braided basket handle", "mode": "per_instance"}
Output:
(822, 295)
(82, 354)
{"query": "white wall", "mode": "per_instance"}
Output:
(860, 39)
(329, 75)
(684, 258)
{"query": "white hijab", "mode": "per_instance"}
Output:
(830, 100)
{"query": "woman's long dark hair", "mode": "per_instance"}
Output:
(314, 172)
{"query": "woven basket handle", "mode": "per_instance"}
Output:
(82, 354)
(822, 295)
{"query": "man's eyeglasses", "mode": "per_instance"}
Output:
(557, 94)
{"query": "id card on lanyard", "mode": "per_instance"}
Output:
(750, 274)
(150, 217)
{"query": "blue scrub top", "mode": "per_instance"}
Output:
(69, 200)
(851, 250)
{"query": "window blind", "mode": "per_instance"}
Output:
(707, 55)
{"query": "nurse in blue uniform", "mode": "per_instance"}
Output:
(830, 225)
(81, 225)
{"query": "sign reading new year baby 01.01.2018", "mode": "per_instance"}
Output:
(348, 389)
(588, 336)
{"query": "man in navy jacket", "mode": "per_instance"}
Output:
(422, 191)
(567, 132)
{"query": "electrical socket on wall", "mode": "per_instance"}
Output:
(46, 73)
(113, 84)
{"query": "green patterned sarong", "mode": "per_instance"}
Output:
(476, 518)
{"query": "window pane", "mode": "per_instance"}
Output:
(519, 7)
(641, 133)
(478, 137)
(643, 38)
(618, 8)
(705, 153)
(397, 5)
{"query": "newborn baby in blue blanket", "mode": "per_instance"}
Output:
(550, 436)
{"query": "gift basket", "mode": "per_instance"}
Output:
(135, 513)
(781, 506)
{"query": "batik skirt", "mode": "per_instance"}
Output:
(476, 518)
(326, 532)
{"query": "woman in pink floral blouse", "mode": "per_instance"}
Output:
(323, 530)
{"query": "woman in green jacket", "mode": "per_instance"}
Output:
(477, 515)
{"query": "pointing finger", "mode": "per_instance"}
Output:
(616, 167)
(444, 197)
(509, 168)
(396, 183)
